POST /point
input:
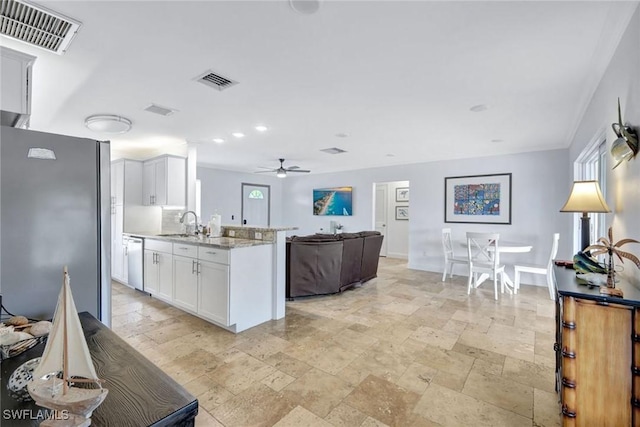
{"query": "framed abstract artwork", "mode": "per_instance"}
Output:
(402, 213)
(402, 194)
(479, 199)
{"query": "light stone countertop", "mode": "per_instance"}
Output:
(258, 229)
(215, 242)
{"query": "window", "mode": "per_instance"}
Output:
(256, 194)
(593, 166)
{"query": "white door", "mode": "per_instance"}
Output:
(381, 214)
(255, 204)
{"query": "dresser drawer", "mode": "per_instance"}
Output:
(158, 245)
(220, 256)
(185, 250)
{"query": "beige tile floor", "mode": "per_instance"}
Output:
(405, 349)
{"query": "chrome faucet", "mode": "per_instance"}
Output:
(186, 225)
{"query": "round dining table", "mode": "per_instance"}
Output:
(504, 246)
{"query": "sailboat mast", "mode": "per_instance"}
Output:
(65, 357)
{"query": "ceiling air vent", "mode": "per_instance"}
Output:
(333, 150)
(215, 80)
(37, 26)
(153, 108)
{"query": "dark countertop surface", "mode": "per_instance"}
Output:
(140, 394)
(569, 285)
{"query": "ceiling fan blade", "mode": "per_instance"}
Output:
(264, 167)
(269, 171)
(298, 170)
(293, 167)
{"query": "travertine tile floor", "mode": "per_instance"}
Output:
(404, 349)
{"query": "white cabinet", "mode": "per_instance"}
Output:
(158, 269)
(15, 85)
(185, 282)
(164, 181)
(213, 292)
(117, 245)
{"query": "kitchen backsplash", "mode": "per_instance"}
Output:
(170, 223)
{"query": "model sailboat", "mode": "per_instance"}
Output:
(67, 352)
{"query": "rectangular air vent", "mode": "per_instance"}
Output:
(215, 80)
(333, 150)
(153, 108)
(37, 26)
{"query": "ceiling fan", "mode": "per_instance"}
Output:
(281, 172)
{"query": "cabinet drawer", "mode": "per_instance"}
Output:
(158, 245)
(185, 250)
(220, 256)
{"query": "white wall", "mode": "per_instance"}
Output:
(222, 191)
(622, 79)
(538, 192)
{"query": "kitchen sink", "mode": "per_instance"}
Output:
(176, 235)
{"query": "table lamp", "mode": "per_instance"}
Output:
(585, 197)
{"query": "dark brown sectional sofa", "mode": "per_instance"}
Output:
(322, 264)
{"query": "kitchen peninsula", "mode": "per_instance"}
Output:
(235, 281)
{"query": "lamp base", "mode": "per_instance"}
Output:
(614, 292)
(585, 231)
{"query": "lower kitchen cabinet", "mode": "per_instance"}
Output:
(151, 269)
(185, 282)
(213, 294)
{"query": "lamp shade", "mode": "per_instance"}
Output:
(585, 197)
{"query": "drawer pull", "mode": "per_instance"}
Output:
(635, 402)
(184, 249)
(635, 370)
(568, 383)
(567, 413)
(211, 253)
(568, 354)
(568, 325)
(635, 337)
(556, 346)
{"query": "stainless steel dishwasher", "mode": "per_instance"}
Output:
(135, 254)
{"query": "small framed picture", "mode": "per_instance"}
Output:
(402, 194)
(402, 212)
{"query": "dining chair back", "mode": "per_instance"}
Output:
(547, 270)
(449, 256)
(483, 256)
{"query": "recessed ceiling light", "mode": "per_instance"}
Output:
(261, 128)
(108, 123)
(343, 135)
(391, 155)
(479, 108)
(497, 140)
(218, 140)
(238, 134)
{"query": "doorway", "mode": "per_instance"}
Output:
(391, 217)
(255, 209)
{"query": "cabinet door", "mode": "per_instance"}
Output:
(176, 181)
(150, 273)
(117, 182)
(161, 182)
(117, 248)
(165, 275)
(185, 282)
(148, 183)
(125, 260)
(213, 295)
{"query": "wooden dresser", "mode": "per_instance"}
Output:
(597, 353)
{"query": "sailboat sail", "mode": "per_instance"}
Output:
(78, 356)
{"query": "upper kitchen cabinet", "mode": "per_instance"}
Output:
(164, 181)
(15, 85)
(126, 182)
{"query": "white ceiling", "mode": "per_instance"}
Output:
(398, 77)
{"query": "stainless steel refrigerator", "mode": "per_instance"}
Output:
(54, 212)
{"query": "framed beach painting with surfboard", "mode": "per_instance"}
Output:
(333, 201)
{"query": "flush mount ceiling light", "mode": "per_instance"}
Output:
(218, 140)
(479, 108)
(261, 128)
(108, 123)
(238, 134)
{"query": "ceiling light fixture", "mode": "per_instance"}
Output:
(626, 146)
(479, 108)
(261, 128)
(281, 173)
(343, 135)
(238, 134)
(218, 140)
(108, 123)
(305, 7)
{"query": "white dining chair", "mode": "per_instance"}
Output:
(483, 256)
(449, 256)
(539, 269)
